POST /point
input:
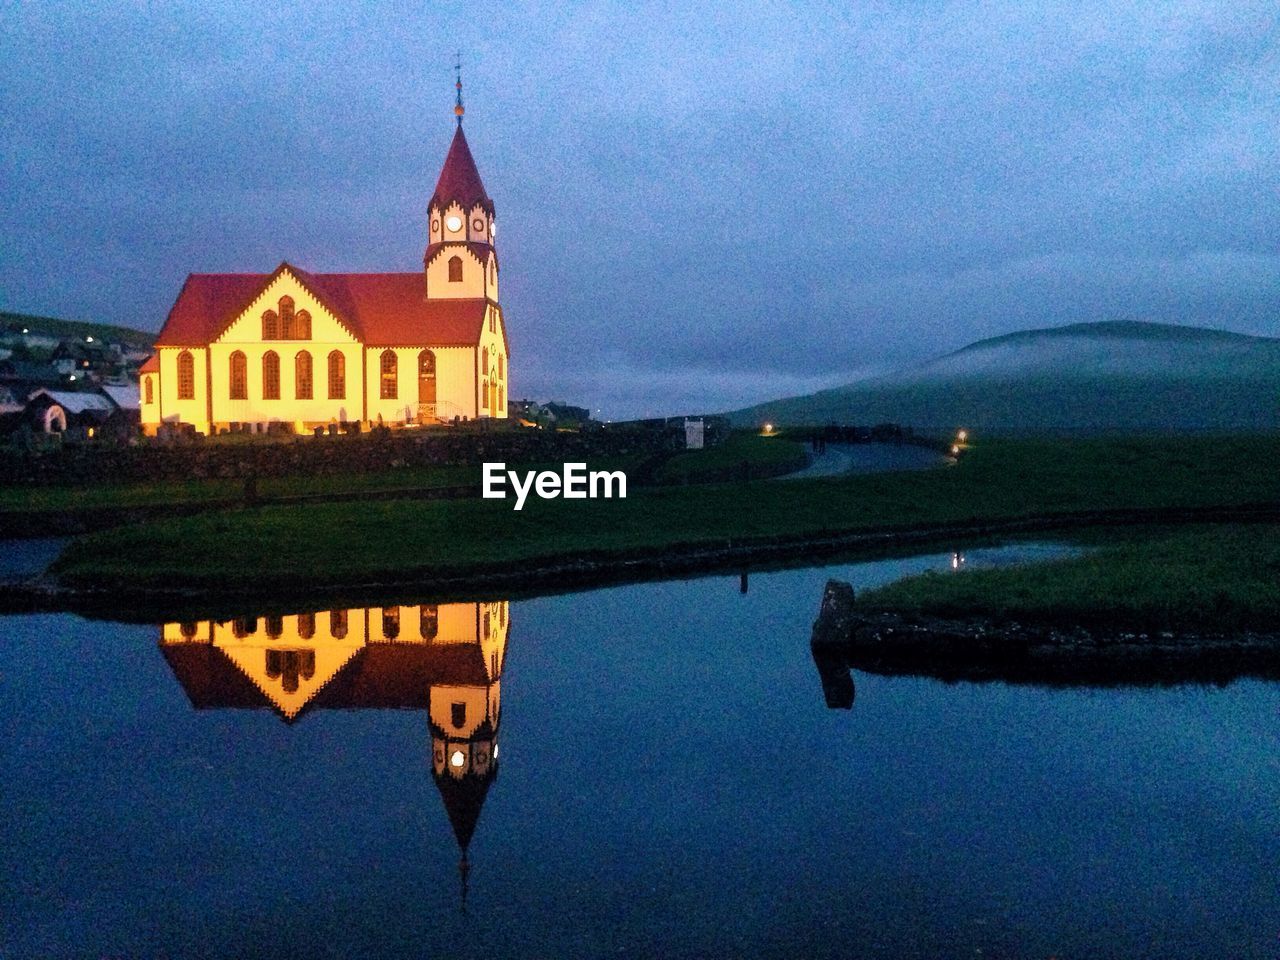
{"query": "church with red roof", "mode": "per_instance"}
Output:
(246, 351)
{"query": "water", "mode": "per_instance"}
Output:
(845, 458)
(670, 783)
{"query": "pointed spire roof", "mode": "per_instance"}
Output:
(459, 179)
(463, 799)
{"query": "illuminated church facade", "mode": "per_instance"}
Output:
(248, 350)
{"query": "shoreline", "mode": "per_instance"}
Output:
(984, 648)
(564, 572)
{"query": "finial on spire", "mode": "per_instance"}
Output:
(458, 109)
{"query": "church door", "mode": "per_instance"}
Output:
(426, 385)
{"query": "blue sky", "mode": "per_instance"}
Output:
(699, 207)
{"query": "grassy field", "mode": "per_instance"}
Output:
(1211, 578)
(764, 456)
(328, 544)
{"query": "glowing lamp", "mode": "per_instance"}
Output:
(88, 339)
(768, 428)
(962, 436)
(955, 449)
(457, 759)
(453, 223)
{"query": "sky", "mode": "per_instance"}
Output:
(700, 207)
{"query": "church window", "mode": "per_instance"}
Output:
(243, 627)
(302, 375)
(270, 375)
(484, 359)
(455, 269)
(388, 365)
(484, 394)
(306, 625)
(337, 376)
(429, 621)
(147, 385)
(288, 324)
(239, 375)
(338, 624)
(188, 629)
(270, 325)
(458, 714)
(286, 318)
(493, 321)
(186, 376)
(502, 367)
(391, 622)
(502, 399)
(274, 627)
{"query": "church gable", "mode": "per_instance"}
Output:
(287, 310)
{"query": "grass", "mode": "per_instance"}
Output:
(1211, 578)
(334, 543)
(765, 456)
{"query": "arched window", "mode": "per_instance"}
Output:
(239, 376)
(306, 625)
(337, 376)
(429, 621)
(337, 624)
(301, 326)
(186, 376)
(484, 359)
(270, 326)
(426, 380)
(188, 629)
(502, 367)
(387, 362)
(242, 627)
(455, 269)
(286, 318)
(275, 627)
(484, 394)
(270, 375)
(390, 622)
(302, 375)
(502, 398)
(147, 385)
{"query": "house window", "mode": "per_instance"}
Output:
(270, 326)
(239, 376)
(429, 622)
(147, 385)
(458, 714)
(337, 376)
(302, 375)
(270, 375)
(455, 269)
(186, 376)
(338, 624)
(388, 365)
(391, 622)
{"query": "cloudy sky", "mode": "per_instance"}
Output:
(698, 209)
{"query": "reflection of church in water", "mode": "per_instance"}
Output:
(445, 658)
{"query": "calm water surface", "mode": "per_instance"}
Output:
(667, 782)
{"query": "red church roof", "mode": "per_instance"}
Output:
(459, 179)
(380, 309)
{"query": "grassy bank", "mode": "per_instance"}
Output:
(1215, 578)
(333, 544)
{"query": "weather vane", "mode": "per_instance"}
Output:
(458, 109)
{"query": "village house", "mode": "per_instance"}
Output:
(297, 349)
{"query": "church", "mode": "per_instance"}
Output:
(254, 351)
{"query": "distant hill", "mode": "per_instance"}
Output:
(77, 329)
(1084, 378)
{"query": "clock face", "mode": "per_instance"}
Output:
(493, 230)
(435, 225)
(454, 224)
(478, 224)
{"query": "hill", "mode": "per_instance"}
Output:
(77, 329)
(1086, 378)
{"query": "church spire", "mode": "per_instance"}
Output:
(458, 108)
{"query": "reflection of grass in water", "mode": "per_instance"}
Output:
(335, 543)
(1213, 578)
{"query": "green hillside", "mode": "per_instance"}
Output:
(1081, 379)
(78, 329)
